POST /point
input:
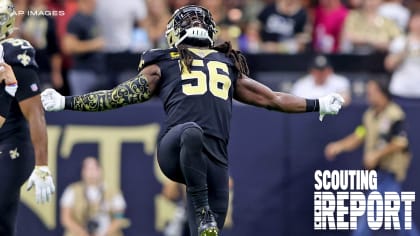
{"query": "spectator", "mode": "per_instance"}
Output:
(123, 31)
(404, 60)
(70, 7)
(328, 23)
(414, 5)
(250, 41)
(83, 42)
(39, 30)
(175, 4)
(217, 9)
(396, 11)
(365, 31)
(321, 81)
(354, 4)
(252, 8)
(155, 23)
(171, 214)
(20, 5)
(226, 19)
(88, 207)
(283, 27)
(385, 149)
(117, 23)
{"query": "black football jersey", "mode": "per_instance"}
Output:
(19, 54)
(202, 95)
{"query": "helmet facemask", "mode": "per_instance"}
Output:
(192, 25)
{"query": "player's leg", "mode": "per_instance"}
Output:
(16, 164)
(218, 182)
(180, 156)
(194, 165)
(168, 154)
(8, 211)
(218, 190)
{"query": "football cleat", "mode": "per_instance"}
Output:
(207, 225)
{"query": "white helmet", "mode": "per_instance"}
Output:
(7, 18)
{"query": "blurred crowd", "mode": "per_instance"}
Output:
(73, 37)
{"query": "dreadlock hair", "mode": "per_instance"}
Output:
(186, 57)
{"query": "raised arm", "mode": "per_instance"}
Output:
(136, 90)
(254, 93)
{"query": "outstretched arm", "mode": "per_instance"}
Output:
(136, 90)
(254, 93)
(132, 91)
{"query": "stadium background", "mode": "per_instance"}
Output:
(273, 156)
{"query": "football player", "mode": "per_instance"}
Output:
(23, 135)
(196, 82)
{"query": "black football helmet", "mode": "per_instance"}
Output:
(191, 25)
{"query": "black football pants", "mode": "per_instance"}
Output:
(16, 165)
(170, 152)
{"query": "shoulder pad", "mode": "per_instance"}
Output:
(154, 56)
(19, 52)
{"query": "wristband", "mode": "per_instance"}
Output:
(312, 105)
(68, 102)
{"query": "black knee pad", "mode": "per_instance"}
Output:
(192, 136)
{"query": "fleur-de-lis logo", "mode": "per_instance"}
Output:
(24, 58)
(11, 9)
(14, 153)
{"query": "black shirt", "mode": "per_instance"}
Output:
(84, 27)
(203, 96)
(21, 56)
(277, 26)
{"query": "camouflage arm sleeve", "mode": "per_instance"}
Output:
(132, 91)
